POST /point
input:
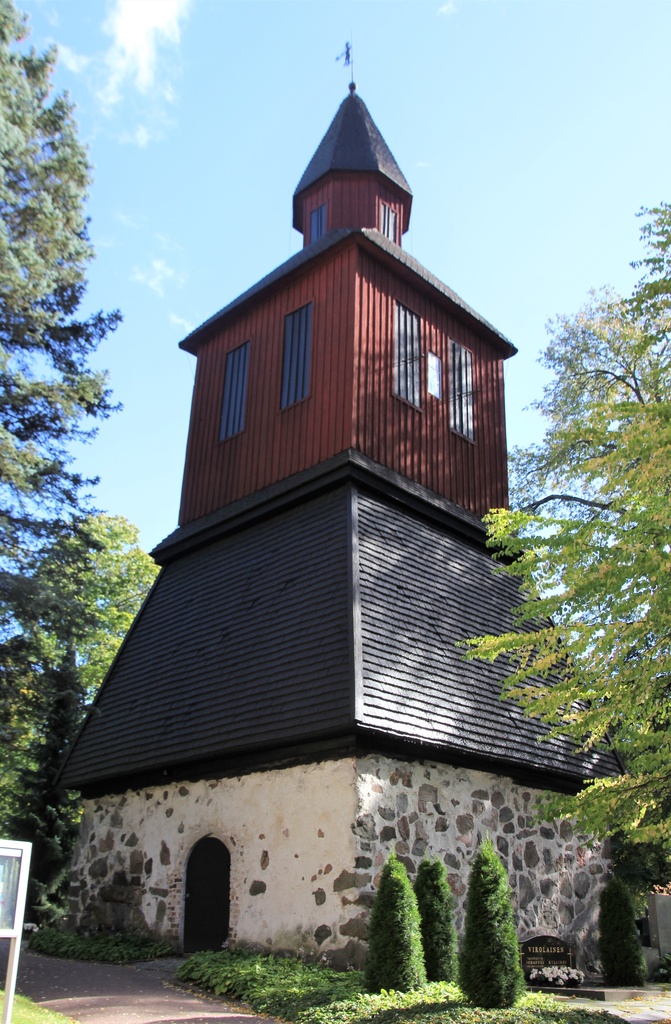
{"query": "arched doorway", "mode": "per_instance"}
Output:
(207, 897)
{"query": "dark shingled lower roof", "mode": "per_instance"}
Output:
(337, 616)
(322, 245)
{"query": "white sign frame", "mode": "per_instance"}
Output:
(11, 850)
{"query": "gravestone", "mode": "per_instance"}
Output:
(660, 922)
(545, 951)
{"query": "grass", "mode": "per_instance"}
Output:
(24, 1011)
(312, 994)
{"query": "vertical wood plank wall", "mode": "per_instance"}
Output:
(350, 402)
(419, 442)
(275, 442)
(352, 200)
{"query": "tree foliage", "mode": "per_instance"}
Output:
(48, 393)
(622, 958)
(69, 580)
(436, 910)
(77, 601)
(589, 540)
(395, 959)
(490, 972)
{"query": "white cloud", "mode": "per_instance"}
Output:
(140, 32)
(167, 244)
(75, 62)
(140, 136)
(178, 321)
(449, 8)
(126, 220)
(156, 277)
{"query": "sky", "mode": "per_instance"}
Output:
(531, 133)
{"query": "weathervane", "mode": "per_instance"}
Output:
(348, 60)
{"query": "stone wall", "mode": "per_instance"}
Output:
(307, 844)
(288, 832)
(419, 809)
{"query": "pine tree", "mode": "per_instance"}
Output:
(436, 910)
(619, 945)
(49, 395)
(395, 959)
(490, 972)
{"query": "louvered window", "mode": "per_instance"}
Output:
(407, 374)
(388, 218)
(318, 222)
(235, 392)
(296, 362)
(461, 390)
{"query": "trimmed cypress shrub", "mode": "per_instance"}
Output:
(436, 910)
(395, 959)
(490, 972)
(622, 958)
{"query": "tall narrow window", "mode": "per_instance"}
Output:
(407, 374)
(318, 222)
(461, 390)
(235, 392)
(296, 362)
(388, 218)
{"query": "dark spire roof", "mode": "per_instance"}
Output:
(352, 143)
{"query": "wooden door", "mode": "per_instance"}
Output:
(207, 899)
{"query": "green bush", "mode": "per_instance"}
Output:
(436, 910)
(395, 959)
(313, 994)
(663, 969)
(622, 958)
(108, 947)
(489, 968)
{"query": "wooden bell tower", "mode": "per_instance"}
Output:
(351, 345)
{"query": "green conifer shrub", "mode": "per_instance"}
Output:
(436, 910)
(490, 972)
(622, 958)
(395, 959)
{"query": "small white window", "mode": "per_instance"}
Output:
(435, 374)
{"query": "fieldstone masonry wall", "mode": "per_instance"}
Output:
(307, 844)
(419, 809)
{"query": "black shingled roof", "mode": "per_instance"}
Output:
(352, 143)
(339, 616)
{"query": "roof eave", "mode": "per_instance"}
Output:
(375, 243)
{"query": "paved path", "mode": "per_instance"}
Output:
(118, 994)
(649, 1008)
(143, 994)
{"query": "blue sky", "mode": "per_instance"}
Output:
(531, 132)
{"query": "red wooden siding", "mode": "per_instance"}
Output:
(419, 442)
(350, 402)
(275, 442)
(353, 201)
